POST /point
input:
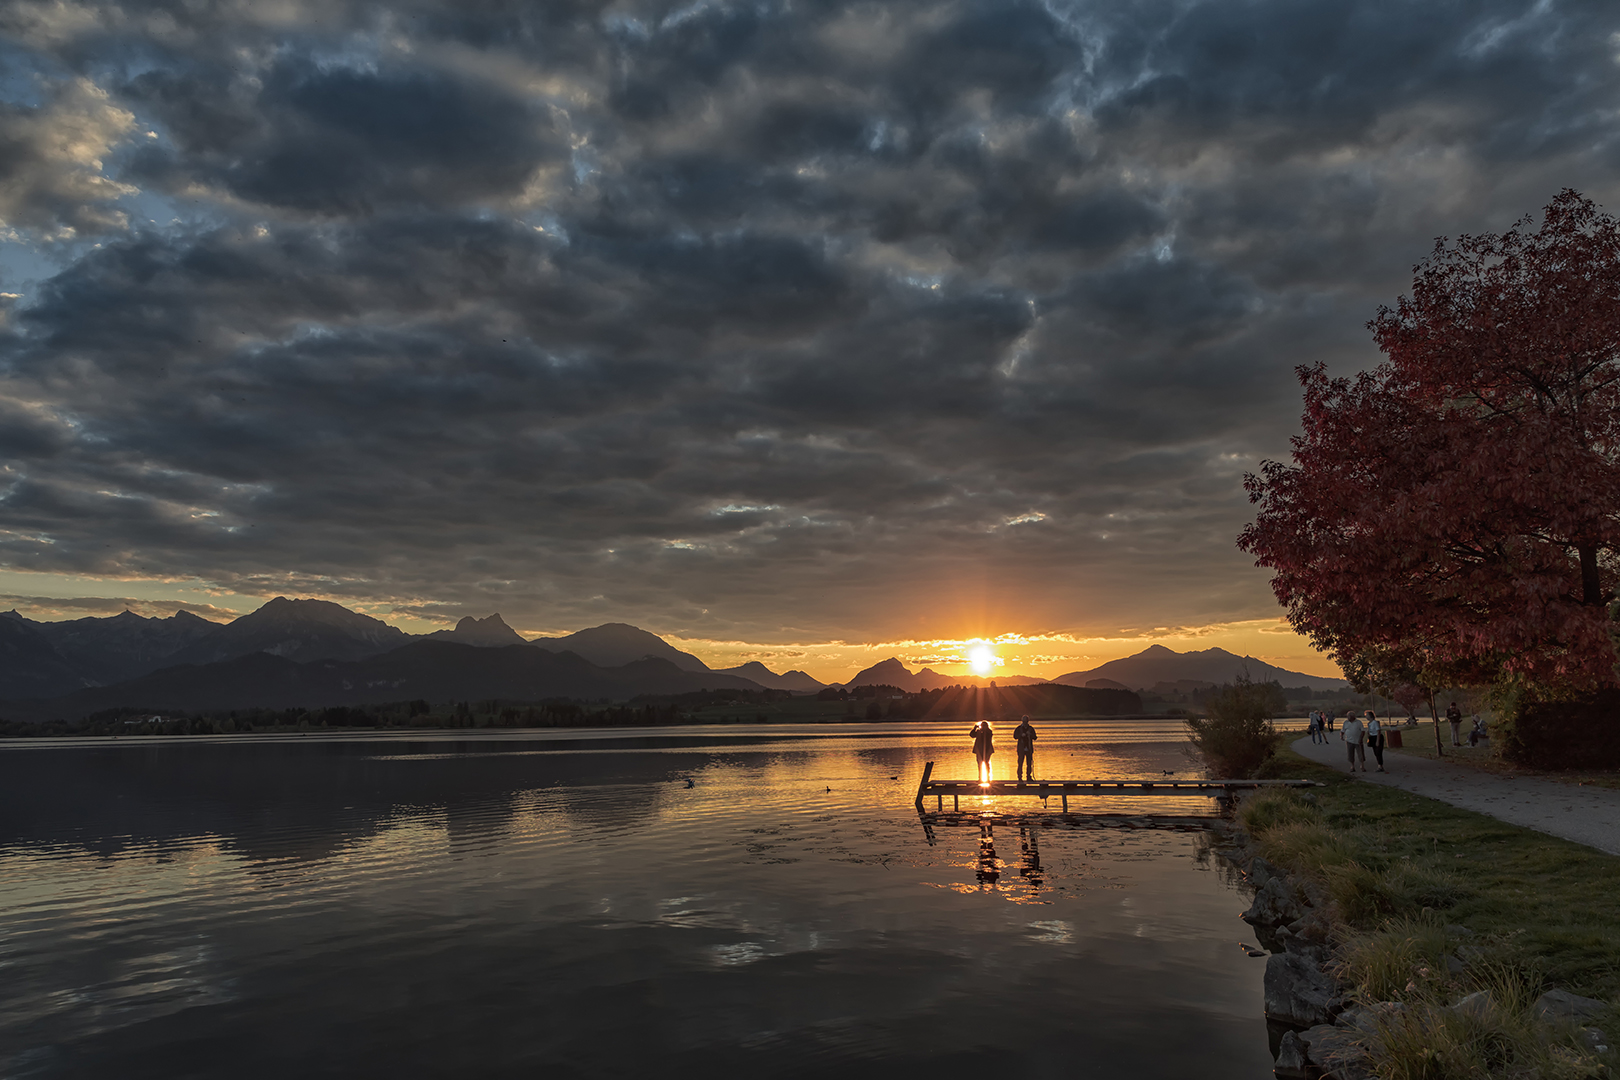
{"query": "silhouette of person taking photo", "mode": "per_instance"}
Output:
(983, 747)
(1024, 735)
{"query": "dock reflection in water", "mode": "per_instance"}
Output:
(504, 906)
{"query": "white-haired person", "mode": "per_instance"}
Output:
(1353, 734)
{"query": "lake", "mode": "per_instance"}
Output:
(700, 901)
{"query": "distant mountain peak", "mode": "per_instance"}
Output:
(613, 644)
(1157, 664)
(758, 672)
(490, 631)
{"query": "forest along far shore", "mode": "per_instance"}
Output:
(310, 664)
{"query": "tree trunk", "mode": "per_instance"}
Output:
(1591, 584)
(1434, 712)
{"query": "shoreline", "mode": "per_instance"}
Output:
(1402, 926)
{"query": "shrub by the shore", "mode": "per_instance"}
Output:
(1237, 737)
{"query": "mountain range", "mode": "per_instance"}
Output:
(1208, 667)
(309, 652)
(892, 672)
(314, 652)
(1153, 668)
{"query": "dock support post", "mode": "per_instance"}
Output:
(928, 770)
(956, 801)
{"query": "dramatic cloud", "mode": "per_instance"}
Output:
(51, 179)
(765, 323)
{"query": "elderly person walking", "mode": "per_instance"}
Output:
(1353, 734)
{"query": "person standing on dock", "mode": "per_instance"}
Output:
(983, 747)
(1024, 735)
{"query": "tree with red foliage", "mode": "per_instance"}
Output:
(1455, 513)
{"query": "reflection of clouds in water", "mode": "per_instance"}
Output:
(693, 911)
(1053, 931)
(130, 990)
(744, 952)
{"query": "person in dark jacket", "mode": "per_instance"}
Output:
(983, 747)
(1024, 735)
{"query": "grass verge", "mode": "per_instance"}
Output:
(1433, 903)
(1419, 742)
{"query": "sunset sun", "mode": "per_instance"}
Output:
(981, 659)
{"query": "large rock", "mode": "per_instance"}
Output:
(1339, 1050)
(1298, 991)
(1274, 905)
(1563, 1005)
(1290, 1057)
(1262, 871)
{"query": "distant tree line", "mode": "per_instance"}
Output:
(1040, 699)
(489, 713)
(882, 703)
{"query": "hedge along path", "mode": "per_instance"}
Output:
(1542, 897)
(1586, 815)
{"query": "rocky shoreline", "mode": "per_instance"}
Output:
(1323, 1031)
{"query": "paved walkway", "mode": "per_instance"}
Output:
(1589, 816)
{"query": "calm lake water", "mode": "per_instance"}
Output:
(564, 904)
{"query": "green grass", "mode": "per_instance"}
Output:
(1403, 873)
(1419, 742)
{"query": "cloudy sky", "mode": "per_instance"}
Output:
(768, 326)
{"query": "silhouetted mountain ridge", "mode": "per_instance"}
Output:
(789, 680)
(612, 644)
(892, 672)
(437, 671)
(487, 632)
(1157, 664)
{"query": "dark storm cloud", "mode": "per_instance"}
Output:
(824, 315)
(343, 142)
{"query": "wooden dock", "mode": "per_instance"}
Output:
(1044, 789)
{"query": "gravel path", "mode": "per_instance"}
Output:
(1589, 816)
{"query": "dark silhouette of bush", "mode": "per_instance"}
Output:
(1237, 737)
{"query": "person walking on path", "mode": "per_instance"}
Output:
(1587, 815)
(1353, 734)
(983, 747)
(1314, 727)
(1024, 735)
(1375, 739)
(1454, 718)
